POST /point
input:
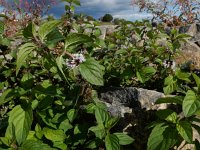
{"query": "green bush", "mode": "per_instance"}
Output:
(90, 18)
(107, 18)
(49, 85)
(116, 21)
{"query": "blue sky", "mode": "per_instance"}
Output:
(97, 8)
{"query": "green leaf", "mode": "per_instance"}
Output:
(65, 125)
(10, 132)
(5, 141)
(145, 74)
(101, 115)
(35, 145)
(175, 99)
(197, 80)
(80, 133)
(60, 145)
(162, 137)
(53, 37)
(38, 131)
(98, 130)
(92, 144)
(59, 62)
(75, 39)
(44, 101)
(124, 139)
(67, 8)
(28, 31)
(72, 8)
(77, 2)
(167, 115)
(92, 71)
(185, 130)
(27, 81)
(111, 122)
(7, 96)
(169, 80)
(31, 136)
(90, 108)
(183, 75)
(5, 42)
(183, 36)
(97, 32)
(21, 119)
(191, 103)
(46, 28)
(170, 83)
(23, 53)
(1, 27)
(47, 88)
(43, 115)
(169, 89)
(71, 114)
(54, 135)
(112, 142)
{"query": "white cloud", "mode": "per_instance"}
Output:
(97, 8)
(99, 2)
(133, 16)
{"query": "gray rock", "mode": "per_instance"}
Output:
(121, 100)
(184, 29)
(196, 39)
(190, 46)
(198, 27)
(103, 32)
(192, 30)
(106, 29)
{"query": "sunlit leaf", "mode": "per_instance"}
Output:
(185, 130)
(124, 139)
(23, 53)
(112, 142)
(35, 145)
(162, 137)
(46, 28)
(21, 118)
(191, 103)
(92, 71)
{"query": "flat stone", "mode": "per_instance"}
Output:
(121, 100)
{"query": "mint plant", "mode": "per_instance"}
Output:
(174, 127)
(140, 57)
(44, 84)
(52, 70)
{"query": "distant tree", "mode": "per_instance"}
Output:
(90, 18)
(79, 17)
(20, 12)
(117, 21)
(50, 17)
(172, 12)
(22, 8)
(107, 18)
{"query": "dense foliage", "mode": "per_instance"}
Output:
(107, 18)
(51, 72)
(172, 12)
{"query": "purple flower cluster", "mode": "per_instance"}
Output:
(169, 64)
(75, 60)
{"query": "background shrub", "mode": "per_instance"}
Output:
(107, 18)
